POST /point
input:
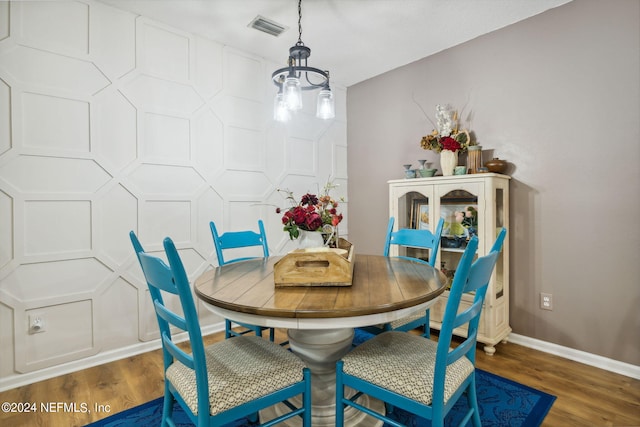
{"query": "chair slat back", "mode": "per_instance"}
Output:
(414, 238)
(173, 279)
(238, 239)
(469, 276)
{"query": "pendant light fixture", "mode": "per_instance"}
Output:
(298, 76)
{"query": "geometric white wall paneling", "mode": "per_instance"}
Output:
(241, 112)
(242, 185)
(4, 20)
(112, 33)
(301, 156)
(47, 71)
(276, 143)
(208, 146)
(114, 126)
(60, 26)
(166, 139)
(299, 185)
(339, 193)
(55, 227)
(194, 262)
(68, 335)
(5, 117)
(33, 174)
(163, 146)
(273, 221)
(6, 229)
(152, 93)
(335, 137)
(340, 161)
(340, 98)
(326, 166)
(163, 51)
(244, 149)
(325, 160)
(209, 207)
(307, 126)
(55, 124)
(242, 215)
(244, 75)
(6, 338)
(165, 218)
(116, 215)
(208, 67)
(164, 181)
(117, 315)
(55, 282)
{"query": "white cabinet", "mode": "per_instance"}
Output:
(470, 204)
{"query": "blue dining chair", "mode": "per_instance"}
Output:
(236, 240)
(227, 380)
(422, 376)
(421, 239)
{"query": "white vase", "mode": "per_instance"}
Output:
(448, 161)
(310, 239)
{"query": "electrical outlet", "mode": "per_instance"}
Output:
(37, 323)
(546, 301)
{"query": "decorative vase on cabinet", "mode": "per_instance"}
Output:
(448, 161)
(470, 204)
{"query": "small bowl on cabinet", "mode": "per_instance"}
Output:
(427, 172)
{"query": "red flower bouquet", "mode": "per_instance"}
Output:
(312, 213)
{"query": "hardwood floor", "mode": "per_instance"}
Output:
(586, 396)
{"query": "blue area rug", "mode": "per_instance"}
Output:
(503, 403)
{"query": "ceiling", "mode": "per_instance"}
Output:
(353, 39)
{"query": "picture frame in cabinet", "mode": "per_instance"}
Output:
(420, 214)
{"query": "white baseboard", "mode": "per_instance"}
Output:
(590, 359)
(18, 380)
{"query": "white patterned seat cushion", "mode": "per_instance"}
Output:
(401, 322)
(241, 369)
(404, 363)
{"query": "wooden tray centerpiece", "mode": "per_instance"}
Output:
(316, 266)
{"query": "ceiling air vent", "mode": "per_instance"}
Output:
(267, 26)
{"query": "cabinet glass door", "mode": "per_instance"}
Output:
(459, 209)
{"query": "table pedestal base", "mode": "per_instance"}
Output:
(320, 350)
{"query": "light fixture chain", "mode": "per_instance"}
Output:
(300, 21)
(298, 76)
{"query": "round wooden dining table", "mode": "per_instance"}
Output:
(320, 320)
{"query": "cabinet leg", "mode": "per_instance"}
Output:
(490, 350)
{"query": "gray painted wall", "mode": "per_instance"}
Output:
(557, 96)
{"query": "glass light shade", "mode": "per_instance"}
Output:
(292, 93)
(280, 111)
(325, 108)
